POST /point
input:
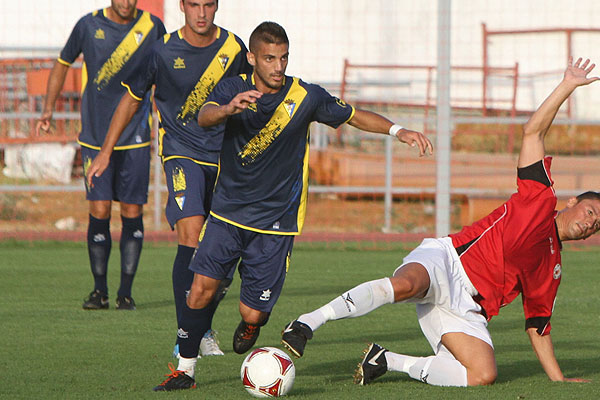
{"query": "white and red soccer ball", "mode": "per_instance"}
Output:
(268, 372)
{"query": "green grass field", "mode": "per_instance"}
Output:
(51, 348)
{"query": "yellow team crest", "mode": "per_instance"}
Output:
(223, 60)
(99, 34)
(290, 106)
(178, 63)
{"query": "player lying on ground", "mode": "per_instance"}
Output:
(261, 191)
(460, 282)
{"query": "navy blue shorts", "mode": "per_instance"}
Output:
(125, 179)
(190, 188)
(264, 261)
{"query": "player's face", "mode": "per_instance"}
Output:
(582, 219)
(199, 15)
(125, 9)
(270, 62)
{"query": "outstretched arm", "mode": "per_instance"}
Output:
(211, 114)
(544, 350)
(372, 122)
(534, 131)
(55, 85)
(123, 115)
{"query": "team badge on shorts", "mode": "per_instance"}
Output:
(179, 186)
(266, 295)
(557, 271)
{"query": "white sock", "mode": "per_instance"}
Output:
(358, 301)
(438, 371)
(188, 365)
(399, 362)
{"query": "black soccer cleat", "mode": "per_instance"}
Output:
(96, 301)
(125, 303)
(244, 337)
(176, 380)
(372, 366)
(294, 337)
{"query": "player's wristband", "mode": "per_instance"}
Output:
(394, 129)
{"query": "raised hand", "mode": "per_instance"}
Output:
(578, 74)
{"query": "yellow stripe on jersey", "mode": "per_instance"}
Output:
(304, 196)
(281, 117)
(209, 79)
(132, 41)
(84, 77)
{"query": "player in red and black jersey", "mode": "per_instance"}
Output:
(460, 282)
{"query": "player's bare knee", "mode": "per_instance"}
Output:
(200, 298)
(406, 288)
(481, 377)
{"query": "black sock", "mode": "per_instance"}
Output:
(194, 324)
(99, 245)
(182, 277)
(132, 238)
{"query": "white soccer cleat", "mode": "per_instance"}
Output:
(209, 346)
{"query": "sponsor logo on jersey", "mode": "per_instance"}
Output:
(276, 225)
(551, 245)
(340, 102)
(178, 63)
(223, 60)
(266, 295)
(557, 271)
(99, 34)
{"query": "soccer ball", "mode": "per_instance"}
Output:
(268, 372)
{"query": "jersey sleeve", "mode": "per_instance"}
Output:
(538, 295)
(74, 45)
(330, 110)
(224, 92)
(142, 79)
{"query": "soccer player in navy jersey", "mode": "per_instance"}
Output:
(184, 67)
(114, 42)
(460, 282)
(261, 191)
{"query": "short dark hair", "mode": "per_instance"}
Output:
(589, 195)
(268, 32)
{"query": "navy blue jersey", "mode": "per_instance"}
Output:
(111, 52)
(263, 167)
(184, 76)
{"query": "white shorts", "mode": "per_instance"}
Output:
(448, 305)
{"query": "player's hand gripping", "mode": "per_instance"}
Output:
(413, 138)
(577, 74)
(43, 124)
(242, 100)
(97, 167)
